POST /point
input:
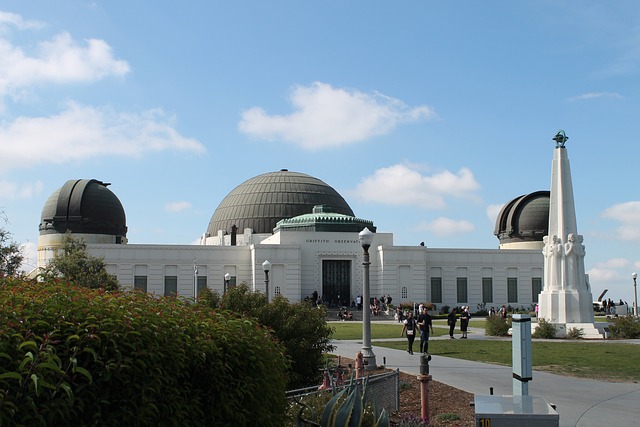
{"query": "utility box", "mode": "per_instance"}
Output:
(508, 411)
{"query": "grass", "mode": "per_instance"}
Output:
(606, 361)
(353, 330)
(598, 360)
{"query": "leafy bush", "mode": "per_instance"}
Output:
(496, 326)
(301, 329)
(544, 329)
(73, 356)
(627, 327)
(575, 333)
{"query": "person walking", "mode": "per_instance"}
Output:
(425, 324)
(451, 321)
(464, 321)
(410, 326)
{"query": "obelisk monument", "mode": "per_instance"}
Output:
(565, 300)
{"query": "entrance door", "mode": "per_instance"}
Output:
(336, 282)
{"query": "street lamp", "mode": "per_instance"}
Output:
(195, 280)
(227, 279)
(266, 266)
(366, 238)
(635, 294)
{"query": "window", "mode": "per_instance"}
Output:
(170, 285)
(202, 283)
(404, 292)
(461, 285)
(436, 290)
(536, 288)
(512, 289)
(140, 283)
(277, 290)
(487, 289)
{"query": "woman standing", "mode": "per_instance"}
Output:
(451, 321)
(410, 326)
(464, 321)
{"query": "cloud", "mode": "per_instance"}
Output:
(12, 190)
(628, 215)
(81, 132)
(403, 184)
(446, 227)
(12, 19)
(326, 117)
(177, 206)
(596, 95)
(493, 211)
(613, 263)
(59, 60)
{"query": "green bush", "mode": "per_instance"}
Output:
(575, 333)
(496, 326)
(301, 329)
(72, 356)
(544, 330)
(627, 327)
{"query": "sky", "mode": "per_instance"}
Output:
(427, 116)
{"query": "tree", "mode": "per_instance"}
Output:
(74, 263)
(11, 253)
(301, 329)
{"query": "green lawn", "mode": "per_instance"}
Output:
(598, 360)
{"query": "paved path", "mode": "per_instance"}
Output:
(580, 402)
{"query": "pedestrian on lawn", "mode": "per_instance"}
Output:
(425, 323)
(410, 326)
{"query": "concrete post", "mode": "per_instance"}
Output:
(521, 354)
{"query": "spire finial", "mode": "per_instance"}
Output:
(560, 138)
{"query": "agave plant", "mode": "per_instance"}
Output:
(350, 411)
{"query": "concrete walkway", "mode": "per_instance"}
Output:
(580, 402)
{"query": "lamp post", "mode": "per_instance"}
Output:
(635, 294)
(366, 238)
(266, 266)
(227, 278)
(195, 280)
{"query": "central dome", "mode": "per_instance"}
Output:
(260, 202)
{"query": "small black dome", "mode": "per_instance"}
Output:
(84, 206)
(524, 219)
(260, 202)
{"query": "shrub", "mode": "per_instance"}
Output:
(302, 329)
(496, 326)
(544, 329)
(73, 356)
(627, 327)
(575, 333)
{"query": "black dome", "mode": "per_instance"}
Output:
(84, 206)
(525, 218)
(260, 202)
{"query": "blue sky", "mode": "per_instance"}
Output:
(427, 116)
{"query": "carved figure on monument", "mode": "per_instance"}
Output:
(546, 250)
(580, 254)
(554, 253)
(570, 261)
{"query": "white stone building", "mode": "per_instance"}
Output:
(309, 234)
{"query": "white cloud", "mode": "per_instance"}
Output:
(12, 190)
(325, 116)
(59, 60)
(81, 132)
(12, 19)
(446, 226)
(403, 184)
(596, 95)
(628, 215)
(612, 263)
(30, 251)
(493, 211)
(177, 206)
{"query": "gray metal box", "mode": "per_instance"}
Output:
(508, 411)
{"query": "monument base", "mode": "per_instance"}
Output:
(591, 331)
(566, 306)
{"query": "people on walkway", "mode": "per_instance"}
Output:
(465, 316)
(410, 327)
(425, 325)
(451, 321)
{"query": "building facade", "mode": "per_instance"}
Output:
(309, 235)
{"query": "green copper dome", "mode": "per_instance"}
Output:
(324, 219)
